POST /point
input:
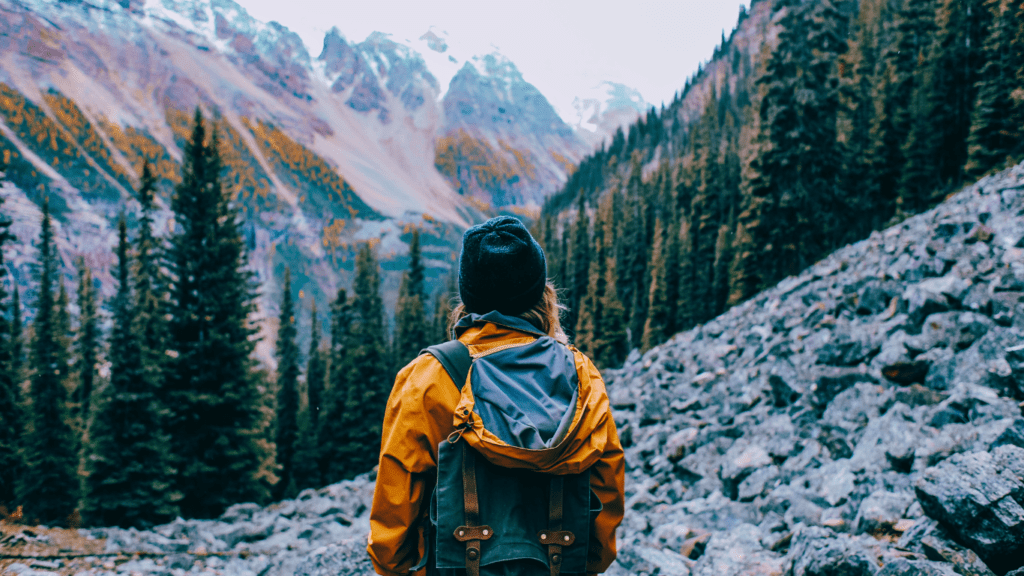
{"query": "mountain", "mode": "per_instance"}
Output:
(607, 107)
(352, 145)
(863, 417)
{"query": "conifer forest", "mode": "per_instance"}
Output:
(133, 410)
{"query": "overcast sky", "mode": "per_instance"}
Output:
(564, 47)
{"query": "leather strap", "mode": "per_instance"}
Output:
(471, 533)
(555, 538)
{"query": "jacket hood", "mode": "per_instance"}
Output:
(528, 402)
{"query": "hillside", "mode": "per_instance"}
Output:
(864, 417)
(813, 124)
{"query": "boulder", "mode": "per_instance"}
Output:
(978, 497)
(905, 567)
(820, 552)
(880, 511)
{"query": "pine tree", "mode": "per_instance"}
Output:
(150, 304)
(580, 263)
(589, 321)
(88, 340)
(368, 382)
(657, 309)
(212, 394)
(705, 212)
(332, 433)
(10, 394)
(316, 369)
(610, 342)
(48, 484)
(306, 462)
(17, 338)
(287, 392)
(128, 475)
(411, 330)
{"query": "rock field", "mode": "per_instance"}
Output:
(862, 418)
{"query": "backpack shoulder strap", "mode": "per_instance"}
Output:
(455, 358)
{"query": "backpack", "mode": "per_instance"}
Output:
(502, 520)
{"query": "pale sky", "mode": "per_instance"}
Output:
(563, 47)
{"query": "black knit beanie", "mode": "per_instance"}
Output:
(501, 267)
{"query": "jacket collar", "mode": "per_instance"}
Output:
(499, 319)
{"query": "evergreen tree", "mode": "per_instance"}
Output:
(610, 342)
(411, 329)
(705, 213)
(589, 321)
(368, 382)
(47, 485)
(332, 432)
(17, 339)
(215, 406)
(580, 262)
(306, 463)
(657, 309)
(88, 340)
(287, 392)
(316, 369)
(128, 481)
(150, 305)
(10, 394)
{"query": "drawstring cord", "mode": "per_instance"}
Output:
(456, 434)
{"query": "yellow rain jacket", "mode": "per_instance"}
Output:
(425, 408)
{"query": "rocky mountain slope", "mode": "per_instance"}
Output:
(324, 151)
(861, 418)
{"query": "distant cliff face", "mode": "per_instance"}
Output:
(323, 152)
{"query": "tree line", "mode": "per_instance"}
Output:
(863, 113)
(163, 411)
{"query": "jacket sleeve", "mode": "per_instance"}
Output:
(418, 416)
(607, 480)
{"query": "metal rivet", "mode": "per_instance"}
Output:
(566, 538)
(472, 554)
(486, 532)
(543, 536)
(462, 532)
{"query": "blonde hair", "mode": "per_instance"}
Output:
(544, 315)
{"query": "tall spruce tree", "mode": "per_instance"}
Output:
(215, 415)
(149, 310)
(411, 329)
(657, 309)
(47, 485)
(316, 368)
(10, 393)
(287, 428)
(580, 263)
(306, 462)
(88, 340)
(368, 381)
(333, 435)
(128, 476)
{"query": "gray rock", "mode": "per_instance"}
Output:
(880, 511)
(978, 497)
(904, 567)
(738, 551)
(820, 552)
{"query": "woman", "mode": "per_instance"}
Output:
(517, 469)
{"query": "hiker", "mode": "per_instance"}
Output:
(517, 469)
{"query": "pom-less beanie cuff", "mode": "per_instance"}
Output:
(501, 267)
